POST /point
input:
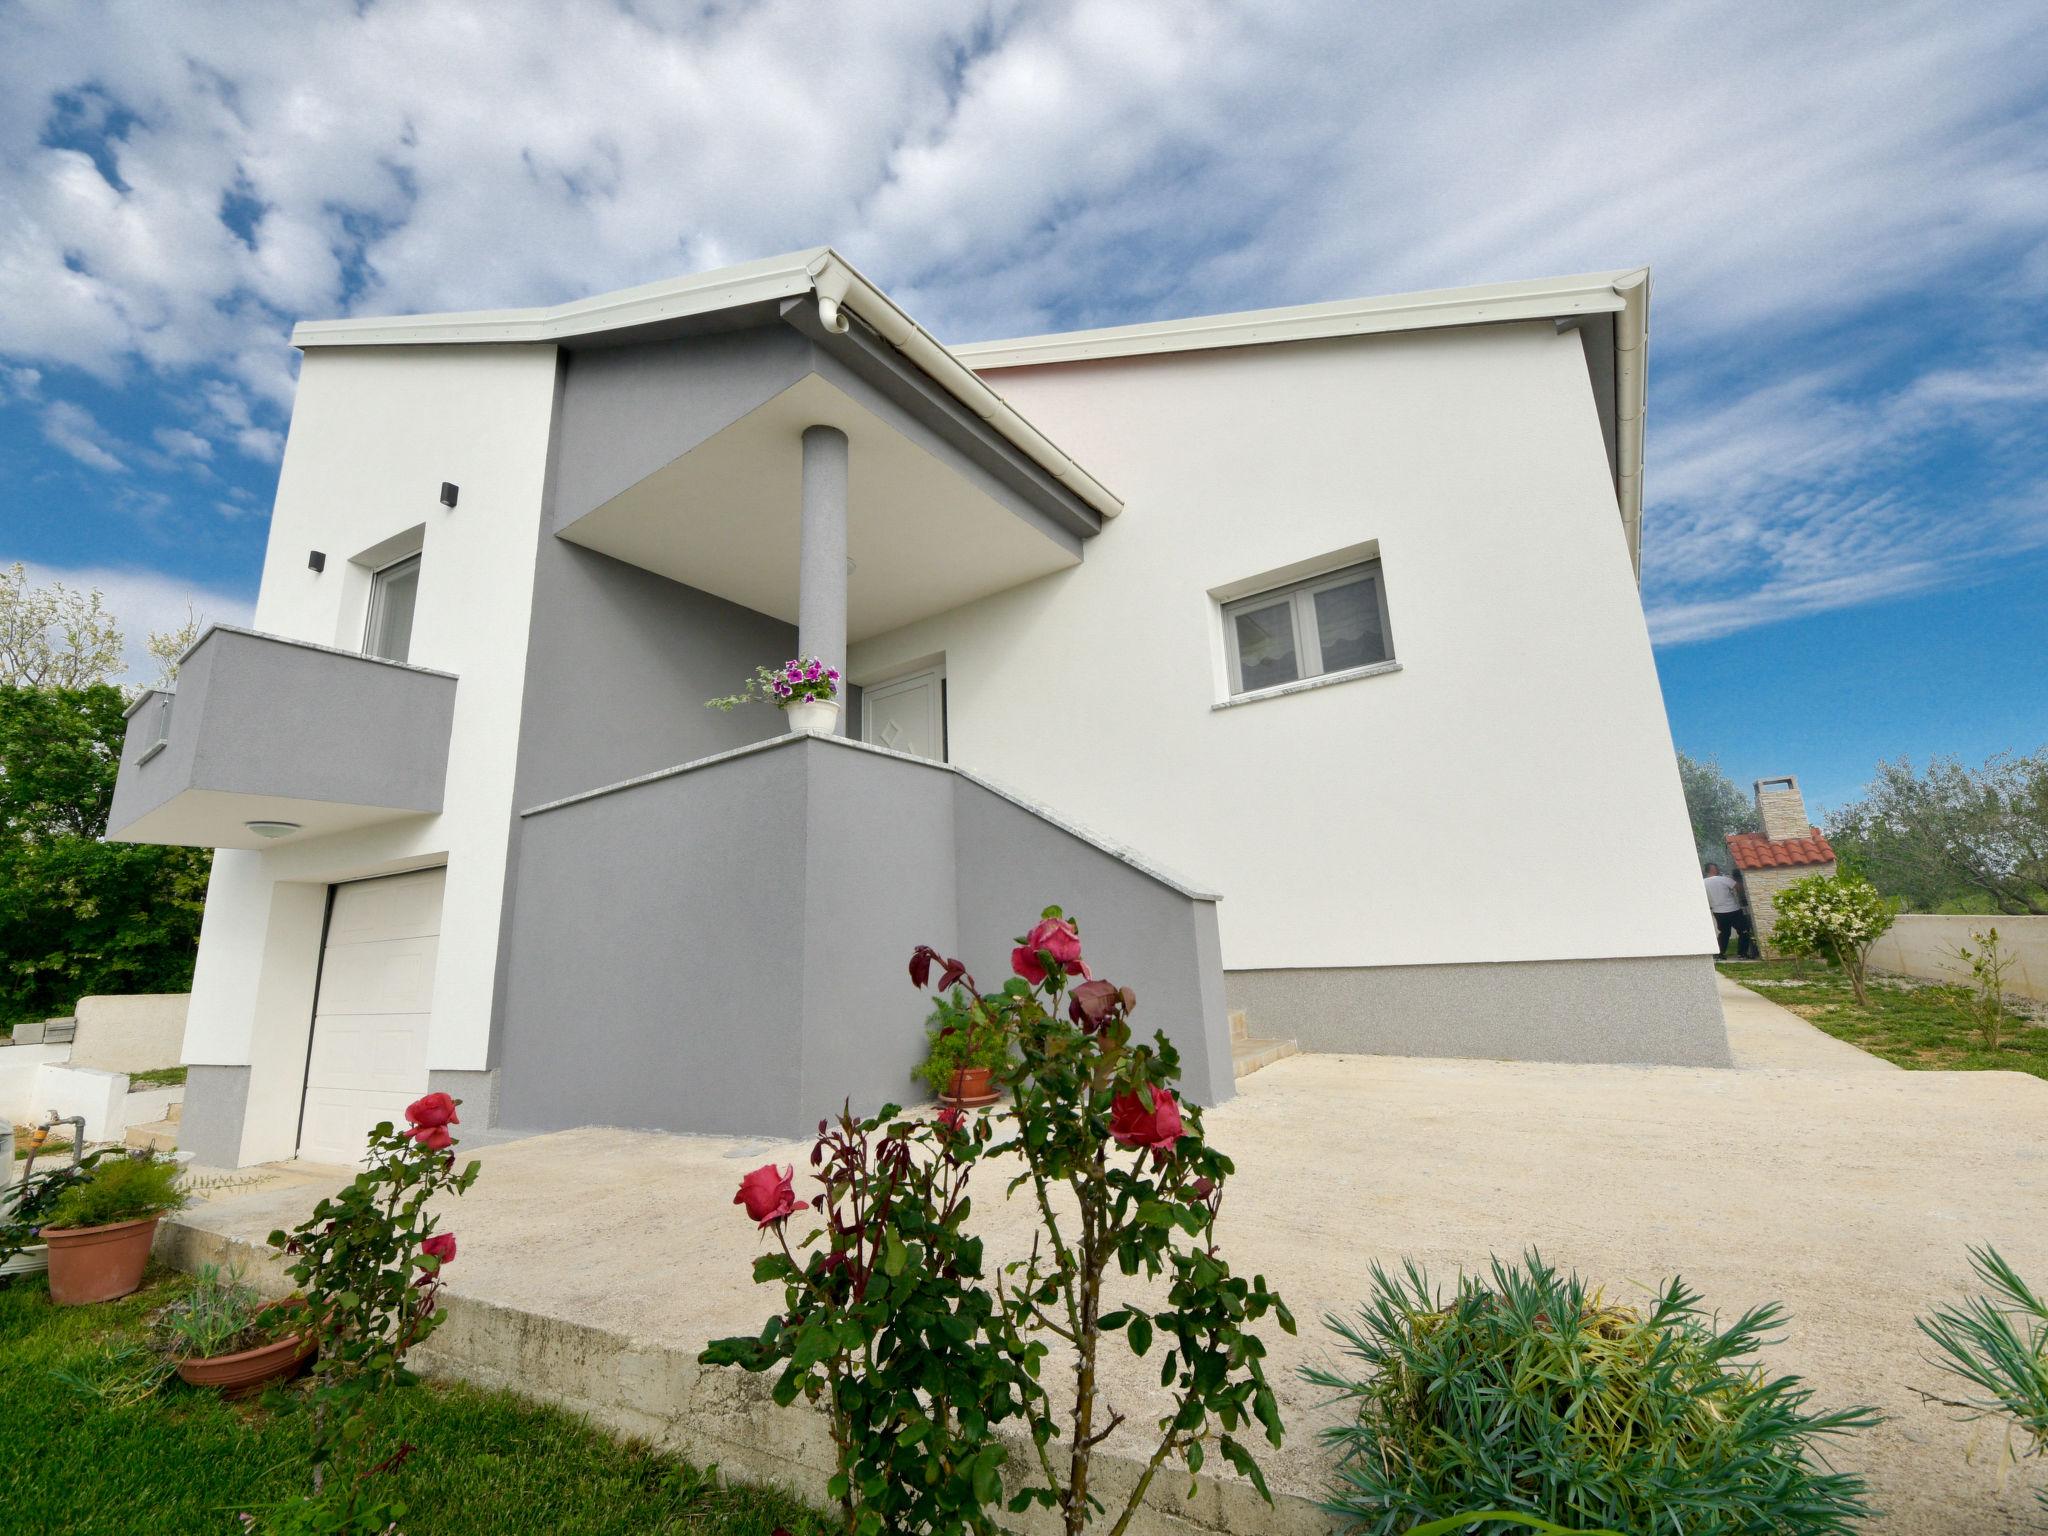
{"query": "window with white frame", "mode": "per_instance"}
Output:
(1328, 624)
(394, 592)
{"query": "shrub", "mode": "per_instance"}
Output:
(1836, 918)
(887, 1324)
(1529, 1393)
(960, 1037)
(369, 1261)
(25, 1207)
(118, 1189)
(915, 1360)
(1984, 1004)
(1998, 1343)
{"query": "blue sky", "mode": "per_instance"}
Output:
(1845, 208)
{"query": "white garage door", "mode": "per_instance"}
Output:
(369, 1054)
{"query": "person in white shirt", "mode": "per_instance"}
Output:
(1724, 900)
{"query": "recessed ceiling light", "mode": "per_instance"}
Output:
(272, 828)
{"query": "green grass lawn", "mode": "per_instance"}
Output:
(1914, 1025)
(182, 1462)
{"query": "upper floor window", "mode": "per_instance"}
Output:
(1331, 623)
(394, 591)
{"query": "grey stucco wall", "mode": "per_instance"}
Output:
(655, 975)
(722, 949)
(1658, 1010)
(618, 666)
(210, 1122)
(259, 715)
(1135, 931)
(627, 411)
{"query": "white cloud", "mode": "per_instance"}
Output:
(182, 444)
(1013, 165)
(1792, 498)
(71, 427)
(142, 601)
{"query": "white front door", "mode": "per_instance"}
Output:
(369, 1053)
(907, 715)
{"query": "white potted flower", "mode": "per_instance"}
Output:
(803, 688)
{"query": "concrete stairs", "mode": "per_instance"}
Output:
(157, 1135)
(1249, 1052)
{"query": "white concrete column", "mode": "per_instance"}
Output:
(821, 555)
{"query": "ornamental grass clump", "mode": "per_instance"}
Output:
(1998, 1344)
(1530, 1396)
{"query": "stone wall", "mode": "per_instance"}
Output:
(1761, 886)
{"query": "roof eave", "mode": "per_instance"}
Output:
(1624, 294)
(820, 270)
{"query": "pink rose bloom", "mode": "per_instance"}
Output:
(1058, 938)
(434, 1138)
(1148, 1117)
(440, 1246)
(434, 1109)
(769, 1196)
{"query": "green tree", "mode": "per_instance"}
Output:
(54, 636)
(1835, 918)
(1716, 806)
(79, 915)
(1952, 832)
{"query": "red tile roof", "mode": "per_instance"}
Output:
(1752, 850)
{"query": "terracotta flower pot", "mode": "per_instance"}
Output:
(246, 1370)
(970, 1089)
(89, 1264)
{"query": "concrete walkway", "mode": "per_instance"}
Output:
(1762, 1035)
(594, 1264)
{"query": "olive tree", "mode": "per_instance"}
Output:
(1933, 836)
(1717, 808)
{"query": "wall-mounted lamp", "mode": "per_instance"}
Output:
(449, 491)
(272, 829)
(316, 560)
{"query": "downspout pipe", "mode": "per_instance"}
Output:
(842, 292)
(1631, 386)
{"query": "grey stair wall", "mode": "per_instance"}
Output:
(722, 947)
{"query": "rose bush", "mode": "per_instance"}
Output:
(886, 1320)
(369, 1262)
(885, 1323)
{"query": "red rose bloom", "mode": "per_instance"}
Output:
(440, 1246)
(1056, 937)
(768, 1196)
(434, 1138)
(433, 1110)
(952, 1119)
(1148, 1117)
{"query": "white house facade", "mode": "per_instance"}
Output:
(1299, 654)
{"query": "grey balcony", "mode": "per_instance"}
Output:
(300, 738)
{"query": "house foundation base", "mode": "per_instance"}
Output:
(1657, 1010)
(210, 1124)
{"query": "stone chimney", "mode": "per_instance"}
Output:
(1782, 809)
